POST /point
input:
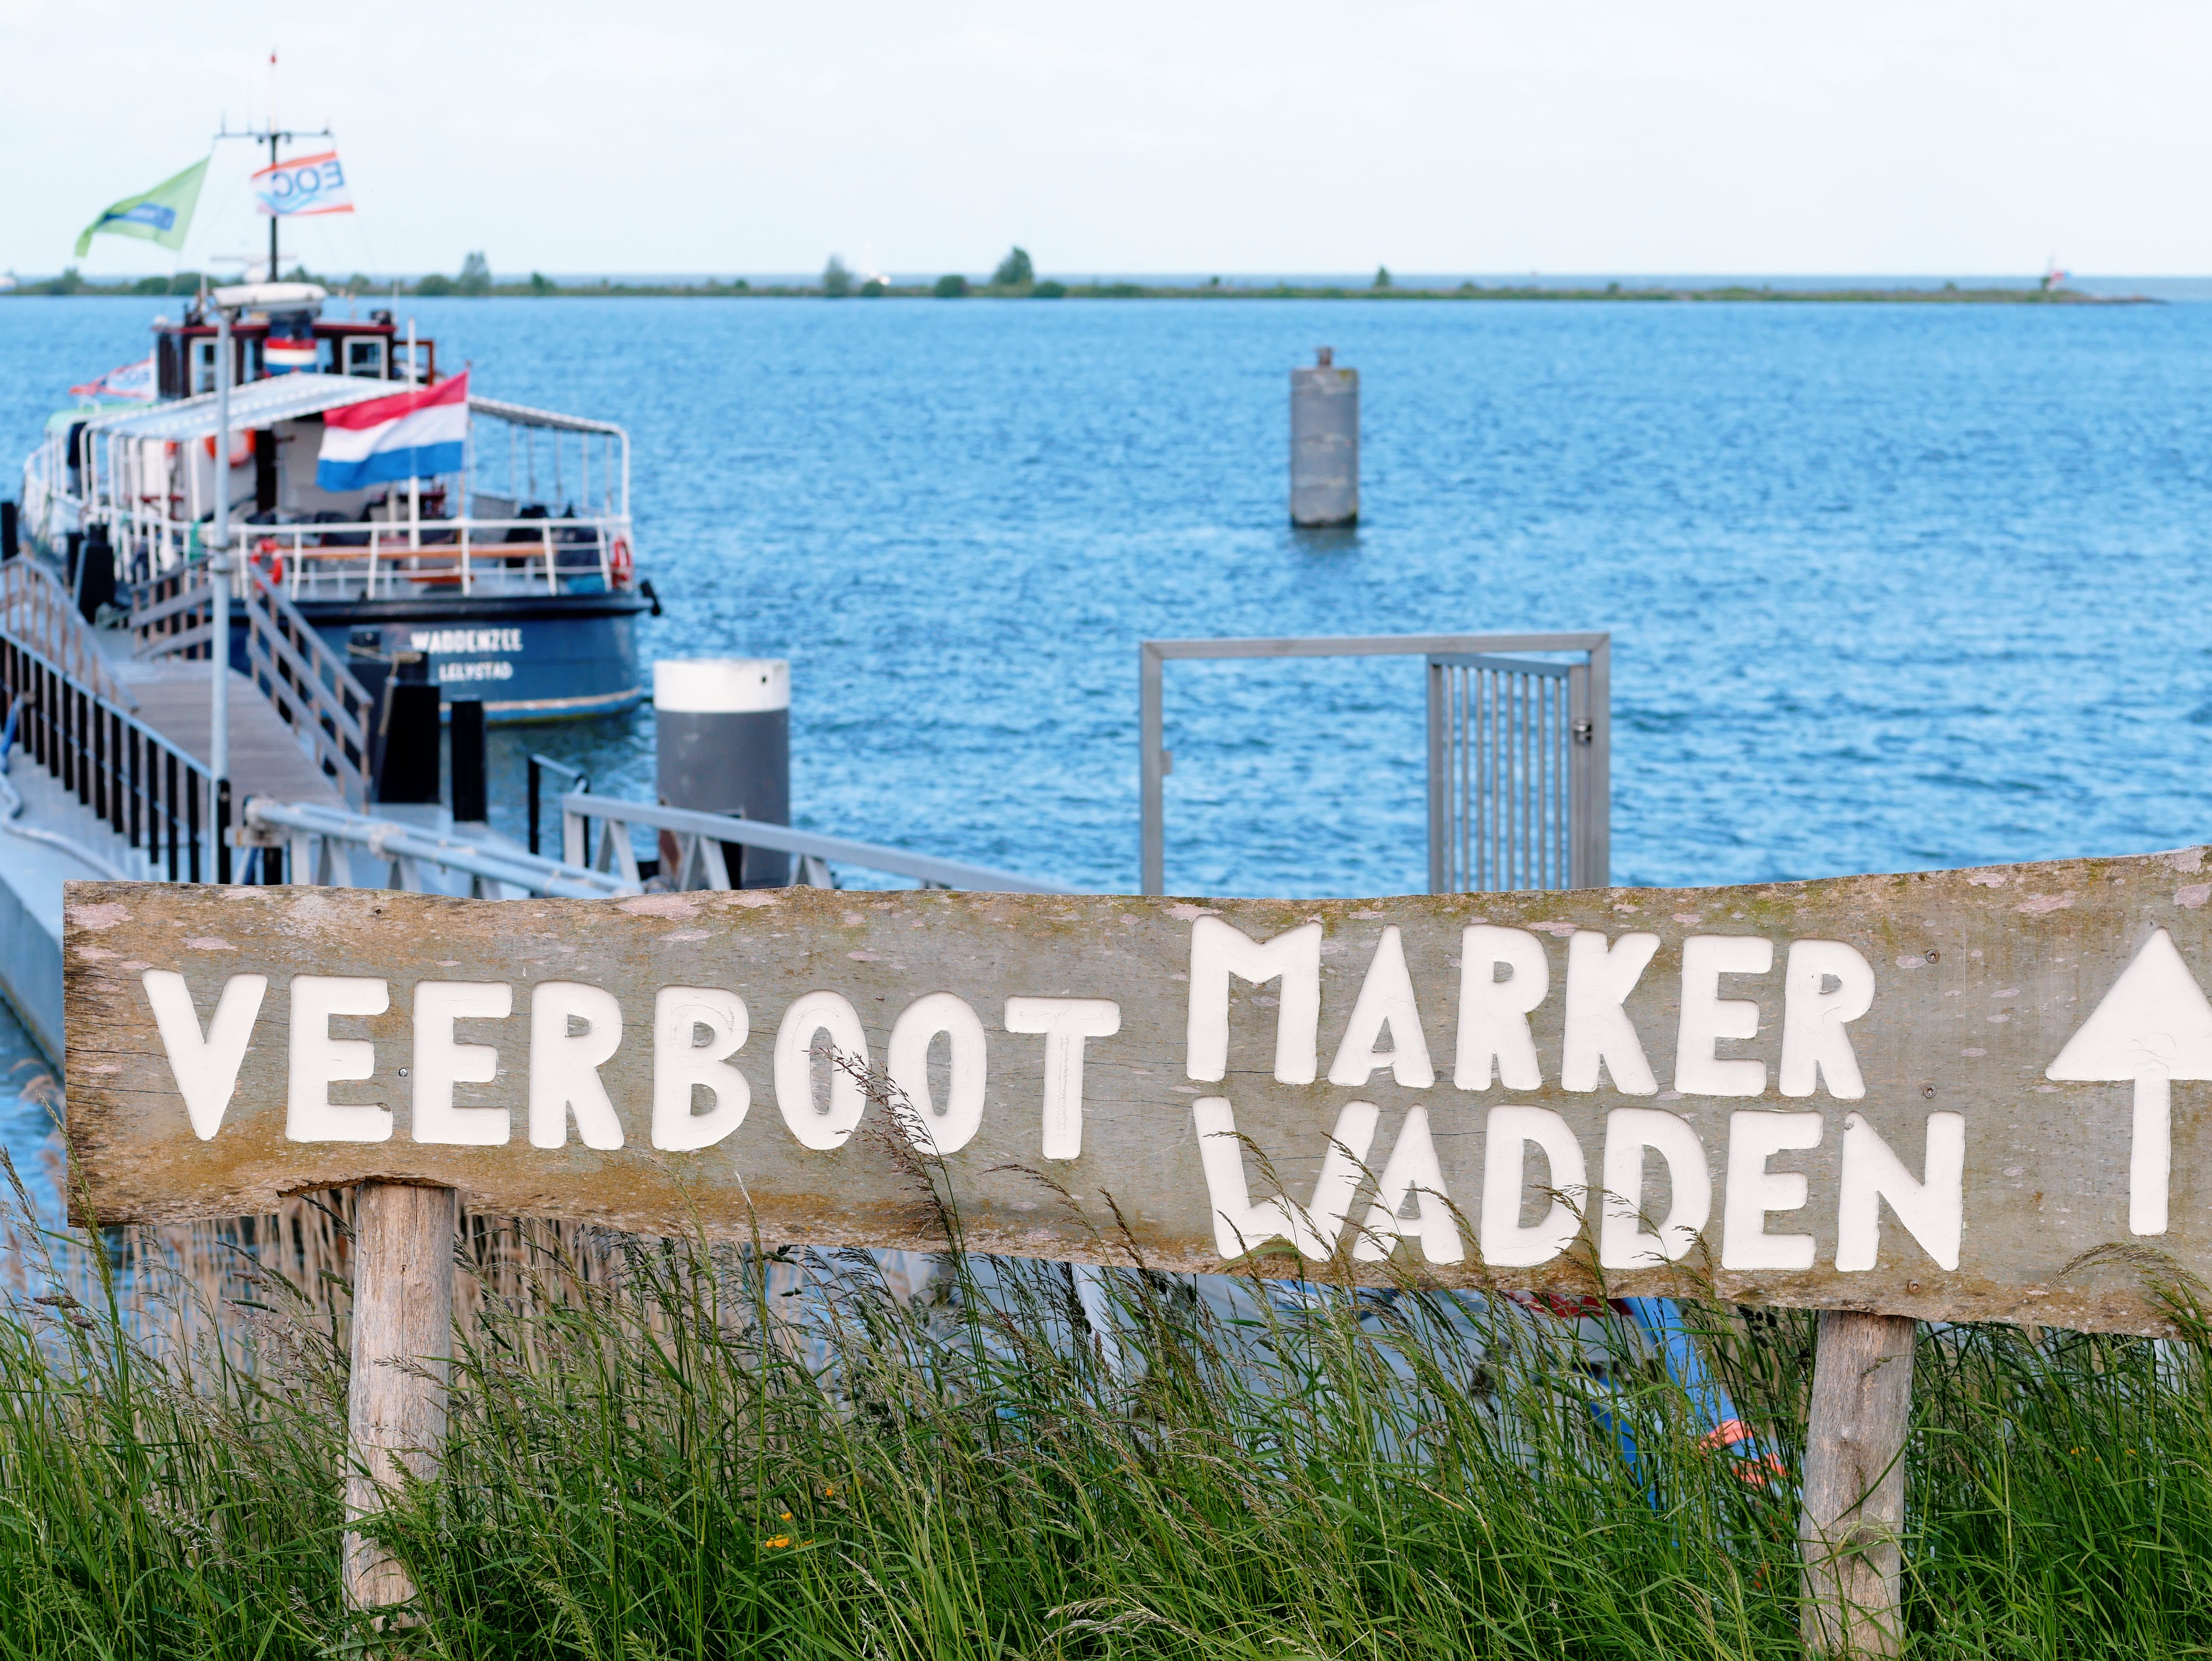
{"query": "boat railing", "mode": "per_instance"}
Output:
(332, 559)
(691, 856)
(380, 559)
(307, 683)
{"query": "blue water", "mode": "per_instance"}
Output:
(1889, 587)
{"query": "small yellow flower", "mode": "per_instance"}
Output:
(784, 1515)
(777, 1543)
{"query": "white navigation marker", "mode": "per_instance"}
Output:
(2154, 1026)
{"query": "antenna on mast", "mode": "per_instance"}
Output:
(273, 218)
(272, 135)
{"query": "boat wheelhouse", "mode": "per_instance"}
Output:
(513, 574)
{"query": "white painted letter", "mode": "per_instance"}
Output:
(1814, 1042)
(440, 1063)
(1217, 951)
(1239, 1225)
(820, 1127)
(1065, 1023)
(1493, 1014)
(1708, 1017)
(319, 1061)
(1754, 1190)
(1505, 1244)
(564, 1067)
(907, 1060)
(1623, 1242)
(1933, 1211)
(205, 1069)
(1598, 982)
(1414, 1170)
(1386, 999)
(681, 1066)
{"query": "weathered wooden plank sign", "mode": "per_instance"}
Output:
(1947, 1095)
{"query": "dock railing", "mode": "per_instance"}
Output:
(329, 847)
(692, 856)
(38, 610)
(160, 801)
(306, 682)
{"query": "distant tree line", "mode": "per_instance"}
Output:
(1015, 277)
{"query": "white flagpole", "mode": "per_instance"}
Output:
(414, 484)
(219, 579)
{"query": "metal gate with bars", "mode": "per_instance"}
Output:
(1519, 752)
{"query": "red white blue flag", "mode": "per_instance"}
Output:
(305, 184)
(132, 380)
(411, 435)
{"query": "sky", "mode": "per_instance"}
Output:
(1238, 136)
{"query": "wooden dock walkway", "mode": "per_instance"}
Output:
(266, 759)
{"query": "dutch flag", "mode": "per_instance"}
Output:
(414, 434)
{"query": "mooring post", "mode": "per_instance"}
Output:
(1324, 443)
(722, 745)
(1853, 1505)
(402, 1342)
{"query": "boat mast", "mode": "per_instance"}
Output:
(273, 220)
(273, 135)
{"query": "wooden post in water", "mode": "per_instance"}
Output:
(402, 1340)
(1853, 1505)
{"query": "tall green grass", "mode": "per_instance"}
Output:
(677, 1449)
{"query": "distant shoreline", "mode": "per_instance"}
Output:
(740, 289)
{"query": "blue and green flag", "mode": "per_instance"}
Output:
(163, 215)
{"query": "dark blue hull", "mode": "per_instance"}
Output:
(547, 657)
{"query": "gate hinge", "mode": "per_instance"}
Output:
(1582, 731)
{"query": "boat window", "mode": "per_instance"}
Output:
(204, 365)
(365, 357)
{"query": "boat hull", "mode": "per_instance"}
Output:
(544, 658)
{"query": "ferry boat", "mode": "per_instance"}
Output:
(511, 569)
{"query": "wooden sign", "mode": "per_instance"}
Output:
(1959, 1095)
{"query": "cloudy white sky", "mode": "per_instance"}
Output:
(1172, 135)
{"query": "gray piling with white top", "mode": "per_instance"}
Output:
(1324, 443)
(723, 746)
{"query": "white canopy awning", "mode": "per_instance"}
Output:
(287, 397)
(523, 416)
(257, 403)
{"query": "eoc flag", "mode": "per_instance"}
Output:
(408, 435)
(305, 184)
(163, 215)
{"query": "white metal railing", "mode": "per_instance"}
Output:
(696, 858)
(330, 848)
(377, 559)
(386, 559)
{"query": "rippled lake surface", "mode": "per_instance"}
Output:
(1889, 586)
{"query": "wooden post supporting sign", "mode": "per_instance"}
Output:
(402, 1340)
(1852, 1508)
(1935, 1095)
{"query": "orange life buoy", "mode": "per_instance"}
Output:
(619, 563)
(239, 453)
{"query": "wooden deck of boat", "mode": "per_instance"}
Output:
(266, 758)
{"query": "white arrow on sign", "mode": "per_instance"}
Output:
(2154, 1026)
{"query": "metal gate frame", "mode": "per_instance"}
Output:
(1589, 767)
